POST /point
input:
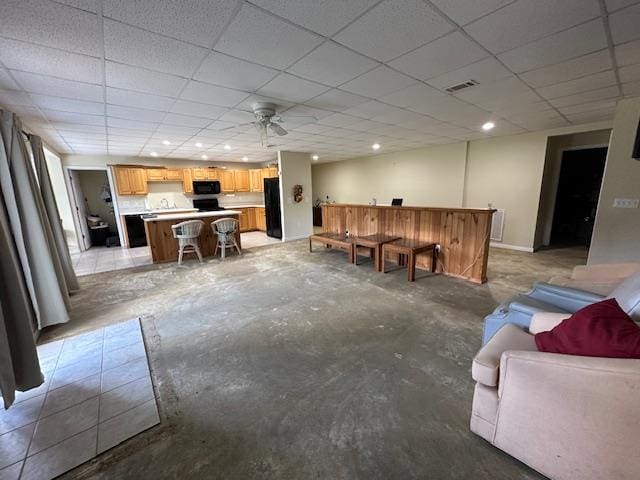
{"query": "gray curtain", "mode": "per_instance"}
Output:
(30, 227)
(19, 366)
(53, 214)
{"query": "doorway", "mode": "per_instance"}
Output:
(577, 196)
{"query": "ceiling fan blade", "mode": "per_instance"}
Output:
(277, 129)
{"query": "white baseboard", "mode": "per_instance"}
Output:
(506, 246)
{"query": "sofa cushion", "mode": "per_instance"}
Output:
(601, 329)
(486, 364)
(628, 296)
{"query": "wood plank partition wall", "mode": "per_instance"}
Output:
(463, 233)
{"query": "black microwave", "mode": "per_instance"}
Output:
(206, 187)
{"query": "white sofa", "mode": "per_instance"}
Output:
(568, 417)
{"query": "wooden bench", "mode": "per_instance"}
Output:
(410, 249)
(336, 240)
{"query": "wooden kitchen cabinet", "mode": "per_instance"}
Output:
(212, 174)
(261, 219)
(255, 180)
(131, 180)
(199, 173)
(173, 174)
(227, 180)
(164, 174)
(241, 180)
(187, 180)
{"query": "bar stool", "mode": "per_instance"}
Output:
(225, 229)
(187, 234)
(409, 248)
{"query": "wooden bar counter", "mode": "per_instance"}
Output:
(164, 248)
(462, 233)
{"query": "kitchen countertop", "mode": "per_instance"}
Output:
(242, 206)
(160, 211)
(192, 215)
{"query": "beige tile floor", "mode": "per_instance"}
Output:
(97, 393)
(103, 259)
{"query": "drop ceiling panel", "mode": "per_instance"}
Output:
(58, 87)
(9, 97)
(6, 82)
(196, 109)
(332, 64)
(212, 94)
(261, 38)
(132, 46)
(501, 94)
(392, 28)
(141, 80)
(116, 96)
(625, 24)
(631, 89)
(194, 21)
(292, 88)
(326, 17)
(525, 21)
(186, 120)
(133, 125)
(52, 25)
(336, 100)
(585, 97)
(48, 61)
(485, 71)
(131, 113)
(588, 107)
(464, 11)
(562, 46)
(370, 109)
(630, 73)
(378, 82)
(628, 54)
(220, 69)
(569, 70)
(584, 84)
(83, 119)
(415, 95)
(68, 105)
(443, 55)
(613, 5)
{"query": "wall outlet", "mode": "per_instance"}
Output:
(626, 203)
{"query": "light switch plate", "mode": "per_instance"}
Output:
(626, 203)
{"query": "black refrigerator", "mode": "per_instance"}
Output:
(272, 207)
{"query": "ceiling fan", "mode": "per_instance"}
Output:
(266, 121)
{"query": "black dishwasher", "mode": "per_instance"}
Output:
(135, 231)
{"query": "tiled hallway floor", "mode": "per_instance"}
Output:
(256, 239)
(103, 259)
(97, 393)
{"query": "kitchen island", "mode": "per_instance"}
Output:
(461, 233)
(164, 248)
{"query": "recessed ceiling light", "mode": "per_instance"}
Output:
(198, 144)
(488, 126)
(315, 157)
(154, 154)
(166, 142)
(376, 146)
(245, 159)
(227, 147)
(204, 157)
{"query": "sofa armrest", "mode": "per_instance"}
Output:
(605, 272)
(545, 321)
(568, 292)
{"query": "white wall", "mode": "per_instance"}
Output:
(297, 218)
(54, 166)
(505, 172)
(616, 234)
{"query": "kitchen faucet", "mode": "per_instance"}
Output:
(164, 203)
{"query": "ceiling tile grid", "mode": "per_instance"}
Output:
(129, 77)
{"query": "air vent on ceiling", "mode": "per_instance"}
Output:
(461, 86)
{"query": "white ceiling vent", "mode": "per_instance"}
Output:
(461, 86)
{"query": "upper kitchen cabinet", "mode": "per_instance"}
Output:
(270, 172)
(241, 180)
(187, 180)
(164, 174)
(227, 180)
(255, 180)
(131, 180)
(204, 173)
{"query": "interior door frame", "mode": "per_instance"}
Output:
(547, 234)
(116, 210)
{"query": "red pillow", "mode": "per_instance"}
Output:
(601, 329)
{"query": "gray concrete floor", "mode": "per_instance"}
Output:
(289, 365)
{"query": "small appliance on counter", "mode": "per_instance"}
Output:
(207, 204)
(208, 187)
